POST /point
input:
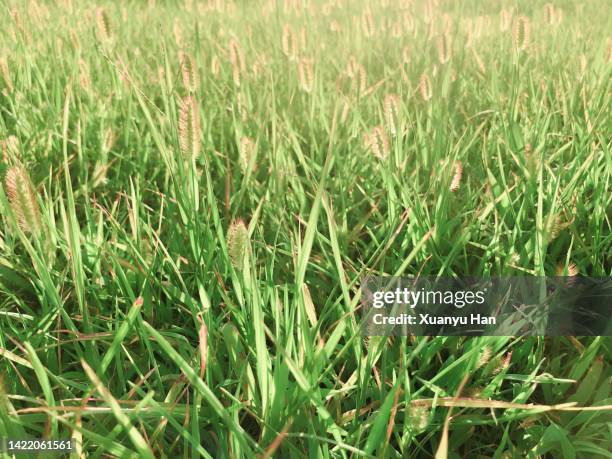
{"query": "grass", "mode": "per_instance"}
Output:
(193, 191)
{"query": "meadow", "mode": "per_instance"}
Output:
(192, 191)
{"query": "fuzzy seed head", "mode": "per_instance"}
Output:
(456, 181)
(391, 111)
(6, 74)
(306, 74)
(485, 356)
(504, 364)
(505, 19)
(358, 75)
(571, 270)
(10, 149)
(237, 60)
(418, 418)
(289, 42)
(425, 87)
(22, 198)
(443, 46)
(237, 242)
(521, 32)
(189, 127)
(346, 107)
(84, 75)
(377, 142)
(188, 71)
(549, 13)
(103, 25)
(247, 151)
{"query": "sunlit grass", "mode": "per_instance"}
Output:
(193, 190)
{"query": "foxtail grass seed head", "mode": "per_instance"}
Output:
(22, 198)
(571, 270)
(188, 71)
(554, 228)
(391, 111)
(549, 13)
(367, 24)
(84, 76)
(13, 145)
(103, 25)
(377, 142)
(346, 107)
(504, 363)
(237, 61)
(289, 42)
(505, 19)
(306, 74)
(19, 27)
(418, 418)
(6, 74)
(358, 75)
(583, 64)
(485, 356)
(246, 153)
(521, 32)
(237, 243)
(189, 127)
(10, 149)
(425, 87)
(456, 181)
(242, 107)
(443, 46)
(553, 15)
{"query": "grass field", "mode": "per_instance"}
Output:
(192, 192)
